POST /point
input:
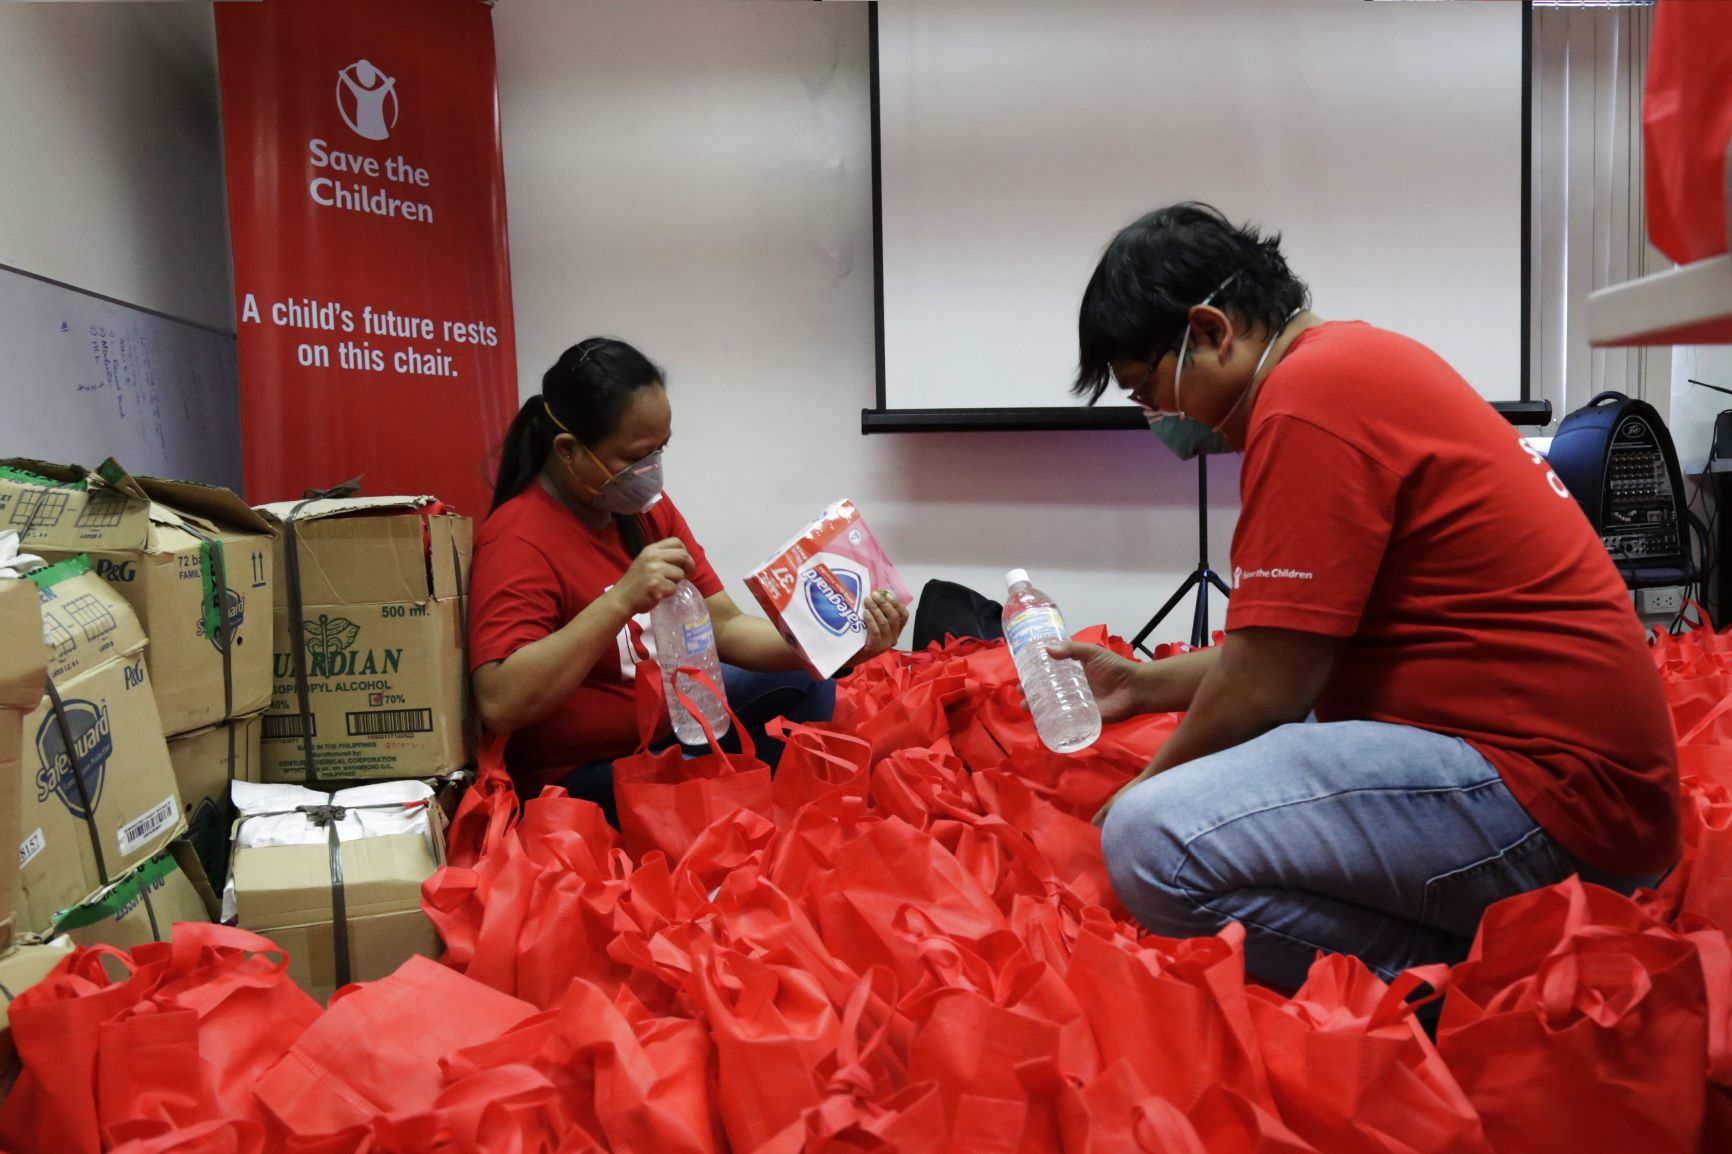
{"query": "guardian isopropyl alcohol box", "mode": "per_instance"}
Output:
(377, 689)
(813, 587)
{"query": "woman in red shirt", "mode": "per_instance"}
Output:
(580, 546)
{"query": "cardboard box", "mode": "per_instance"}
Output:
(384, 585)
(284, 893)
(143, 906)
(23, 670)
(205, 761)
(813, 586)
(24, 966)
(161, 543)
(95, 654)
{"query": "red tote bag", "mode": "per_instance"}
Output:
(817, 761)
(665, 800)
(1352, 1071)
(773, 1026)
(1175, 1010)
(1578, 1024)
(224, 1009)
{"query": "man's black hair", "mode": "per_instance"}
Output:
(1156, 270)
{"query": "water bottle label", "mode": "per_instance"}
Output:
(1035, 626)
(700, 637)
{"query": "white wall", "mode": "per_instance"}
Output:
(111, 177)
(695, 178)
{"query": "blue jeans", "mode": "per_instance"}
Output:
(1355, 837)
(756, 699)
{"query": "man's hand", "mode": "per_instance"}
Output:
(1115, 681)
(1259, 678)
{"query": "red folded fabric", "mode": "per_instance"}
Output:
(907, 941)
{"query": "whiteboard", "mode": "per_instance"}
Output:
(84, 377)
(1016, 137)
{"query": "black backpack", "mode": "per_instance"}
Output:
(956, 610)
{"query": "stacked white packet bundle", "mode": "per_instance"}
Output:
(270, 817)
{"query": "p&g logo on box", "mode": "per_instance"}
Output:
(831, 594)
(115, 570)
(92, 741)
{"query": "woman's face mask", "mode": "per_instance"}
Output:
(631, 490)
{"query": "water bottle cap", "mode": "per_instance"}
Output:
(1015, 577)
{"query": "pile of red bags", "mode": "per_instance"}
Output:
(904, 941)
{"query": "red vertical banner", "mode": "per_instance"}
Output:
(367, 214)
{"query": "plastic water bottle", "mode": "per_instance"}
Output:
(685, 638)
(1065, 713)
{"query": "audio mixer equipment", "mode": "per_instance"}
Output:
(1617, 459)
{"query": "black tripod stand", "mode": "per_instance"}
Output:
(1200, 579)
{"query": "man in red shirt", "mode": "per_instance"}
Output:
(1487, 717)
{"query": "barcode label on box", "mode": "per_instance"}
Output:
(280, 725)
(30, 847)
(135, 833)
(382, 722)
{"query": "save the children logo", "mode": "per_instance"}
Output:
(331, 652)
(367, 99)
(92, 744)
(832, 592)
(1242, 575)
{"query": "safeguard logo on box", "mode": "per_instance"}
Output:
(99, 793)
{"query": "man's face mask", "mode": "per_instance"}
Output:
(1185, 436)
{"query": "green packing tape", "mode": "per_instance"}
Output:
(118, 898)
(213, 596)
(60, 571)
(24, 477)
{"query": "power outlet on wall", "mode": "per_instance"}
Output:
(1659, 602)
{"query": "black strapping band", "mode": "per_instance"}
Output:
(226, 634)
(297, 638)
(298, 616)
(328, 816)
(468, 714)
(149, 910)
(59, 709)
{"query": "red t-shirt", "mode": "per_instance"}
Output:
(1384, 503)
(536, 567)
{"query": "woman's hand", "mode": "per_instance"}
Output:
(885, 619)
(653, 577)
(1114, 680)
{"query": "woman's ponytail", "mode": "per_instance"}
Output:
(527, 444)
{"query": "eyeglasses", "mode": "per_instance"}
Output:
(1155, 360)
